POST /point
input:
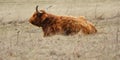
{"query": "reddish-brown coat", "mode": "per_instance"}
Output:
(67, 25)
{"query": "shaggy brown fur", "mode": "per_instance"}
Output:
(67, 25)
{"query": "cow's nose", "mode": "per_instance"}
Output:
(30, 20)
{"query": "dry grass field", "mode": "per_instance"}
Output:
(20, 40)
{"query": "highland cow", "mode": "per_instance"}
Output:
(66, 25)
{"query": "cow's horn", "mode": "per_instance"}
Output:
(37, 9)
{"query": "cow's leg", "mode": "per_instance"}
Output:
(68, 32)
(47, 31)
(89, 29)
(46, 34)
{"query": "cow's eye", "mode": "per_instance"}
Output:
(34, 15)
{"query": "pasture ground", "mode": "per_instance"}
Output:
(19, 40)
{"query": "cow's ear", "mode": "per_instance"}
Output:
(42, 11)
(44, 16)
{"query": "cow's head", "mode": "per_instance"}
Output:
(38, 17)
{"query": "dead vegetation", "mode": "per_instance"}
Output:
(19, 40)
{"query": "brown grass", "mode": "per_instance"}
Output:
(19, 40)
